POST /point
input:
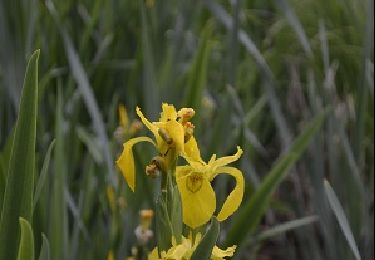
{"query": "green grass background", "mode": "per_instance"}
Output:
(256, 72)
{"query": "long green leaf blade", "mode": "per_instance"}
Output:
(204, 249)
(44, 251)
(58, 209)
(26, 248)
(18, 197)
(43, 173)
(341, 218)
(249, 217)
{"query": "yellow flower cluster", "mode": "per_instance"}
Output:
(173, 138)
(186, 249)
(173, 135)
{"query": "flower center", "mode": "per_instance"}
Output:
(194, 182)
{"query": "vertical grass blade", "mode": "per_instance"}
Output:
(341, 218)
(44, 251)
(163, 225)
(204, 249)
(81, 78)
(295, 23)
(43, 174)
(18, 197)
(249, 217)
(197, 78)
(26, 248)
(4, 165)
(58, 210)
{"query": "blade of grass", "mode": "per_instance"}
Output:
(295, 23)
(250, 215)
(285, 227)
(204, 249)
(26, 248)
(149, 80)
(43, 174)
(269, 82)
(44, 251)
(4, 165)
(18, 196)
(58, 211)
(197, 78)
(341, 218)
(85, 89)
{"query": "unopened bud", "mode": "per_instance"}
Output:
(186, 114)
(188, 131)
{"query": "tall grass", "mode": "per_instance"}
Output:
(255, 71)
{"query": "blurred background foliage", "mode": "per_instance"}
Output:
(255, 72)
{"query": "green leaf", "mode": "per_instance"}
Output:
(285, 227)
(175, 211)
(197, 78)
(58, 210)
(44, 251)
(26, 248)
(204, 249)
(249, 217)
(43, 173)
(163, 225)
(341, 218)
(18, 197)
(4, 164)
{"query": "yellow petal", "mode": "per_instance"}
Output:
(153, 128)
(197, 197)
(154, 255)
(218, 254)
(126, 160)
(176, 131)
(234, 199)
(110, 255)
(214, 164)
(192, 153)
(168, 113)
(123, 116)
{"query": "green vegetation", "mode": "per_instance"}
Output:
(290, 81)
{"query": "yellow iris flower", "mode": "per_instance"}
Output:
(197, 196)
(172, 133)
(185, 250)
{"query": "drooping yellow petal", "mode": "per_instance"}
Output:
(126, 160)
(168, 113)
(219, 254)
(153, 128)
(234, 199)
(123, 116)
(214, 164)
(197, 197)
(192, 153)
